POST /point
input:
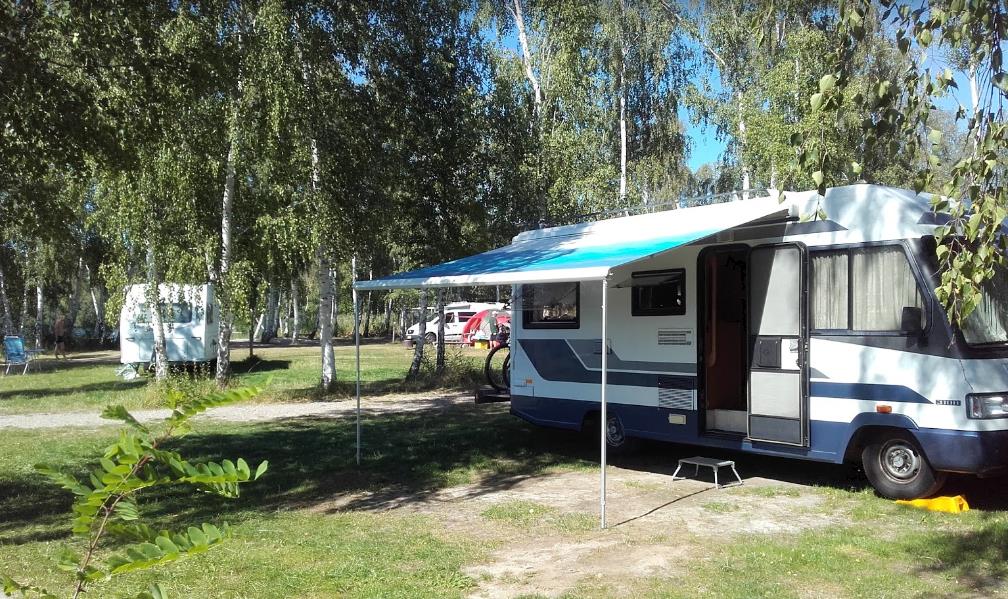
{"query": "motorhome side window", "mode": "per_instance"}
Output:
(658, 292)
(862, 289)
(551, 306)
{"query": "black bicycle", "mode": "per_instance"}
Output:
(497, 368)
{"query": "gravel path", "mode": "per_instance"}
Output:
(249, 412)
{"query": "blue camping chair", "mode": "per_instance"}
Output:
(16, 355)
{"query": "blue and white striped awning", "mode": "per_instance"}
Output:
(584, 252)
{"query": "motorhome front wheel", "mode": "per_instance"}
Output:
(898, 469)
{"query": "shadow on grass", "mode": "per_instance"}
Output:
(33, 510)
(256, 364)
(109, 386)
(663, 458)
(977, 558)
(406, 457)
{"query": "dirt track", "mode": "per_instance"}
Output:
(250, 412)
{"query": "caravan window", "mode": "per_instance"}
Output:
(551, 306)
(658, 292)
(862, 289)
(176, 312)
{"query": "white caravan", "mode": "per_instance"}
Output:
(746, 326)
(457, 314)
(191, 321)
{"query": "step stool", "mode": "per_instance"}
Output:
(713, 464)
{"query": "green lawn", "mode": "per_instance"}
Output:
(286, 541)
(287, 373)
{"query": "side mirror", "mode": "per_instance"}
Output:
(912, 320)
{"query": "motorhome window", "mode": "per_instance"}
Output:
(882, 284)
(988, 323)
(658, 292)
(830, 290)
(863, 289)
(551, 306)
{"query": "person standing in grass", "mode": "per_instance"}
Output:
(60, 330)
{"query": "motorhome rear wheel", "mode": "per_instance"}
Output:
(616, 438)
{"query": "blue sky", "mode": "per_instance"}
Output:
(704, 145)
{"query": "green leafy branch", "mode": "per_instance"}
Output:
(895, 117)
(106, 505)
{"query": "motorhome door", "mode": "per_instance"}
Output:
(778, 337)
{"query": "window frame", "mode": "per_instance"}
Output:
(635, 307)
(923, 289)
(527, 317)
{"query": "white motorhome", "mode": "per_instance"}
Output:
(191, 322)
(748, 326)
(457, 314)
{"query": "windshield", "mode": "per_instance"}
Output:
(988, 323)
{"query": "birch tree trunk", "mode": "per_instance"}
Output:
(8, 322)
(439, 365)
(157, 324)
(226, 313)
(622, 110)
(519, 18)
(260, 328)
(388, 316)
(270, 314)
(98, 303)
(325, 282)
(74, 304)
(24, 309)
(334, 313)
(296, 309)
(39, 313)
(742, 142)
(418, 349)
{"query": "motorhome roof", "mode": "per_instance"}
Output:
(887, 212)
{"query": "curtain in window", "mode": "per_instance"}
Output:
(829, 291)
(882, 285)
(988, 323)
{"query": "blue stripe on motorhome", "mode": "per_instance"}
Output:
(952, 450)
(554, 360)
(867, 391)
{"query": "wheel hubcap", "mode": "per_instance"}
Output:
(614, 431)
(900, 461)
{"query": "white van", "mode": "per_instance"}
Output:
(456, 316)
(191, 322)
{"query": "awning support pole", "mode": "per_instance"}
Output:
(356, 310)
(605, 371)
